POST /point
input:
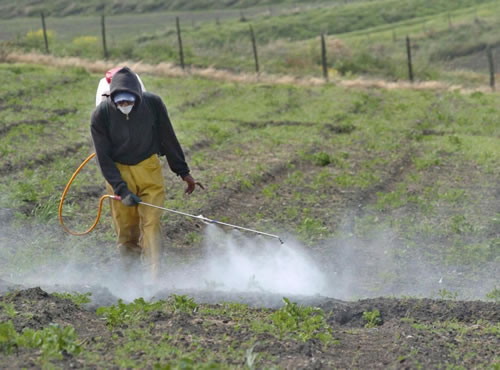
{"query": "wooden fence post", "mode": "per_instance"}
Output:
(254, 46)
(179, 38)
(408, 51)
(103, 32)
(323, 57)
(45, 33)
(492, 67)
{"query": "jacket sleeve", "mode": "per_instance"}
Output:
(102, 145)
(169, 145)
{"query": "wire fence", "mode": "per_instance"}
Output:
(410, 45)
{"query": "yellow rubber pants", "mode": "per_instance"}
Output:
(138, 228)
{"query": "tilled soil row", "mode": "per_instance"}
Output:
(411, 332)
(8, 167)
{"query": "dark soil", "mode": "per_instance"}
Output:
(412, 333)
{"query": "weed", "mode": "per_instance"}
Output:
(494, 295)
(193, 238)
(311, 227)
(321, 159)
(270, 191)
(372, 318)
(251, 357)
(446, 294)
(47, 210)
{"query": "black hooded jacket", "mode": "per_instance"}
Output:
(130, 139)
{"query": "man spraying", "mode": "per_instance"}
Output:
(130, 129)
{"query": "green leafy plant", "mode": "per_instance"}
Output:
(372, 318)
(9, 309)
(182, 303)
(302, 323)
(52, 341)
(121, 313)
(8, 337)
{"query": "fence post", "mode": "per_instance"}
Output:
(408, 51)
(45, 33)
(450, 25)
(394, 37)
(254, 46)
(103, 32)
(492, 67)
(323, 57)
(179, 38)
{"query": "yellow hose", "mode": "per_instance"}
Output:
(64, 196)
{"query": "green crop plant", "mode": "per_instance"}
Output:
(122, 313)
(52, 341)
(8, 337)
(372, 318)
(9, 309)
(183, 303)
(303, 323)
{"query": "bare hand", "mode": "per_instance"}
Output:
(191, 184)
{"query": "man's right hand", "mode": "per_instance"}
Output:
(131, 200)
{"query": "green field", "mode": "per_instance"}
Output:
(423, 164)
(390, 192)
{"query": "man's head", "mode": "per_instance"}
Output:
(125, 86)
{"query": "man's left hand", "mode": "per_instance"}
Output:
(191, 184)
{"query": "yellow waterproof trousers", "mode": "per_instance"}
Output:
(138, 228)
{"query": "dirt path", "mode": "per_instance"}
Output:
(169, 69)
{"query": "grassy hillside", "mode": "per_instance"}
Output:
(62, 8)
(364, 38)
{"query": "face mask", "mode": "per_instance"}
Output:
(125, 110)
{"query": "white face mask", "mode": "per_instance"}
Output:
(125, 110)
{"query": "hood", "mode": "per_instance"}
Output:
(126, 80)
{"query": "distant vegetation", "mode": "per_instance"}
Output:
(362, 37)
(61, 8)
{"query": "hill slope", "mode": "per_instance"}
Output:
(61, 8)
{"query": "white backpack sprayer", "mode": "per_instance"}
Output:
(102, 93)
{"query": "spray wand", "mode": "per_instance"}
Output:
(116, 197)
(205, 219)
